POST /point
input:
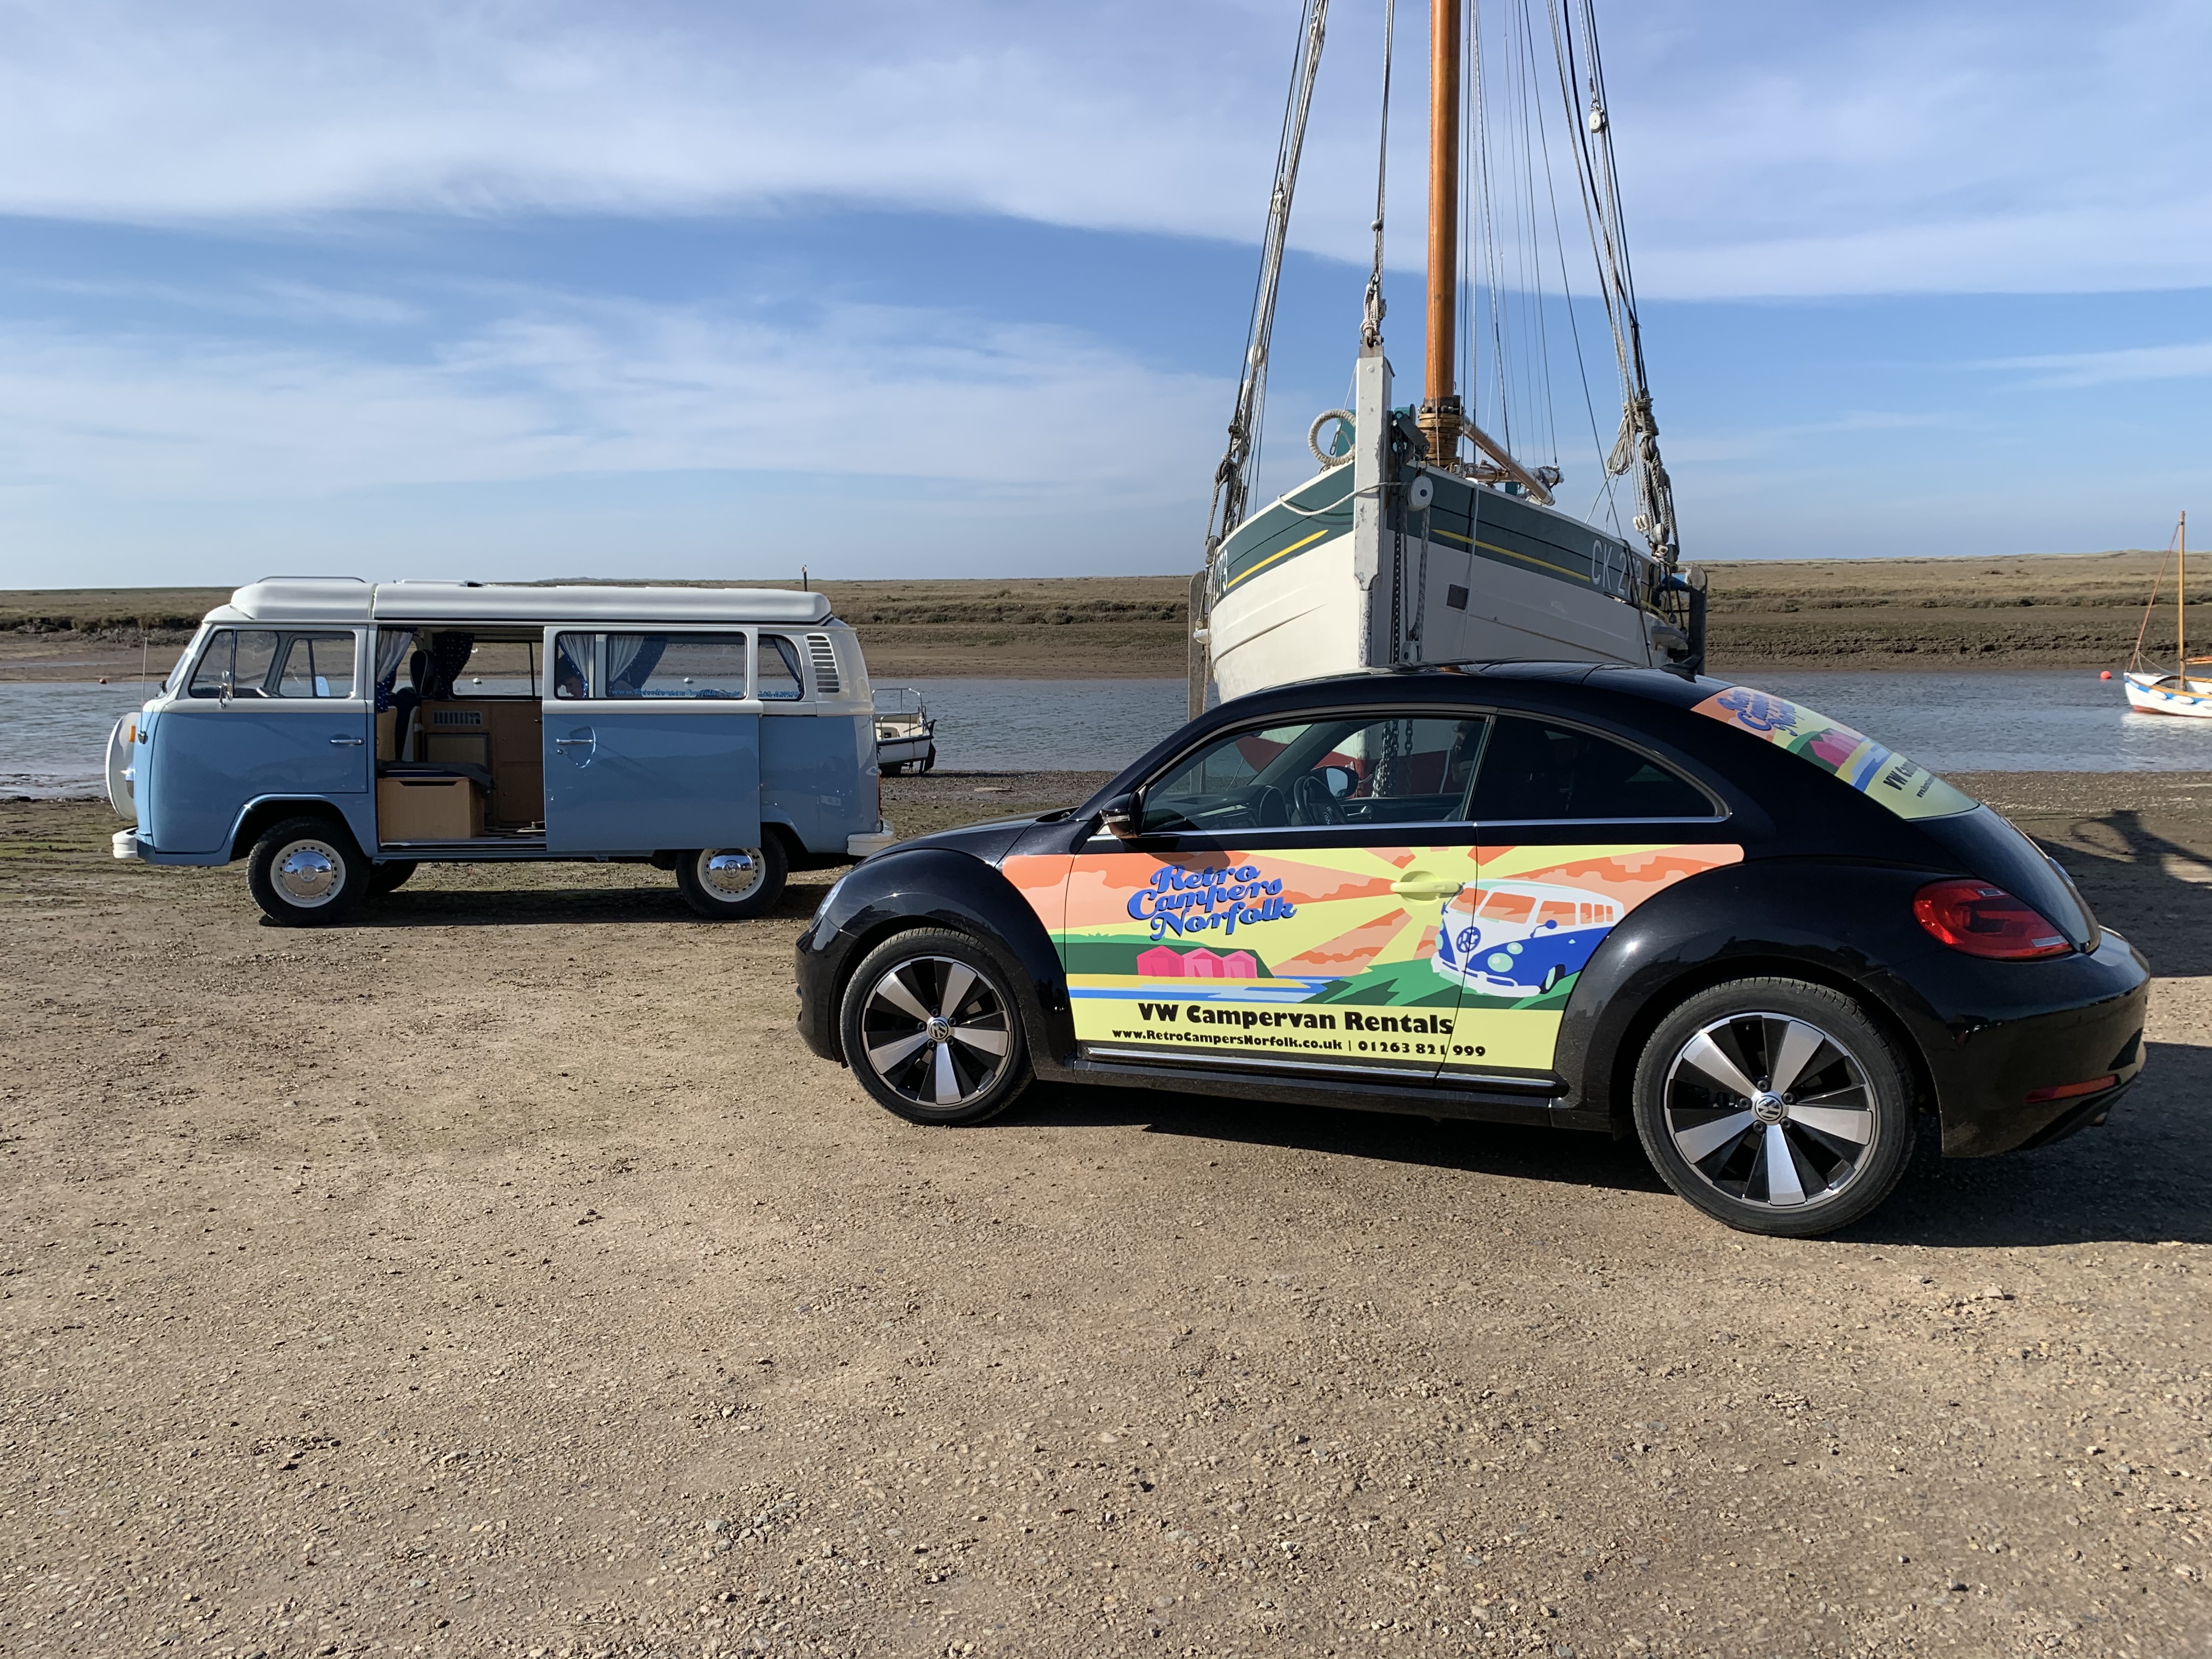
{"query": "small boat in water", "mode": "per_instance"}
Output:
(906, 736)
(2151, 690)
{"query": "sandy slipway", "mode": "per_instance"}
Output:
(499, 1276)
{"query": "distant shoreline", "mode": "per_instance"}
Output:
(1949, 615)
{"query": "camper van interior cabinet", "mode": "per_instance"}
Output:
(337, 735)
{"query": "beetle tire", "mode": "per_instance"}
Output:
(1861, 1048)
(307, 872)
(714, 898)
(920, 956)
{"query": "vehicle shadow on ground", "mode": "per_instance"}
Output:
(1500, 1149)
(562, 907)
(2135, 1181)
(2153, 890)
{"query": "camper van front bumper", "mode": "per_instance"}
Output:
(125, 844)
(867, 845)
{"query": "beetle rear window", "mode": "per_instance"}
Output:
(1905, 787)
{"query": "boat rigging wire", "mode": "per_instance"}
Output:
(1232, 479)
(1638, 444)
(1371, 312)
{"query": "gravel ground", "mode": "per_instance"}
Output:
(499, 1276)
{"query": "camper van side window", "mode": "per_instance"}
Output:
(572, 666)
(658, 666)
(779, 679)
(317, 666)
(245, 655)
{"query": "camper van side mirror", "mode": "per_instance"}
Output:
(1118, 815)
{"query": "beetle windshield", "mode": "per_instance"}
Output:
(1905, 787)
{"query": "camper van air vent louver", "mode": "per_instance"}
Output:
(456, 717)
(823, 654)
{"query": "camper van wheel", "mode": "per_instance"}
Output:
(731, 884)
(930, 1029)
(307, 872)
(389, 877)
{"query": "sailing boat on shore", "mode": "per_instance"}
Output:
(1422, 538)
(2151, 690)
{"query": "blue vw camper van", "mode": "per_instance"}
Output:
(335, 735)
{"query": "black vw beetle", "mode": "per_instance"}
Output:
(1609, 899)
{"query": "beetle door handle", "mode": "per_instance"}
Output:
(1420, 884)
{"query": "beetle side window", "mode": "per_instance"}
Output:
(239, 657)
(1398, 769)
(1533, 770)
(317, 666)
(780, 679)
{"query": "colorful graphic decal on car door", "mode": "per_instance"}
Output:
(1515, 942)
(1408, 957)
(1320, 954)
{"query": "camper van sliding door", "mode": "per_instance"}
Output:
(652, 742)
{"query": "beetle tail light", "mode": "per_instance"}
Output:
(1982, 920)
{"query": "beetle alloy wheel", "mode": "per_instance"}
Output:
(308, 872)
(1770, 1110)
(733, 874)
(936, 1031)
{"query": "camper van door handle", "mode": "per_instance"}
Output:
(1420, 884)
(350, 743)
(572, 743)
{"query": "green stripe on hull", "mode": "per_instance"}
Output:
(1309, 515)
(1488, 523)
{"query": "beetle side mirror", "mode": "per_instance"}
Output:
(1118, 815)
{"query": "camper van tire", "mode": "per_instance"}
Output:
(308, 872)
(733, 883)
(389, 877)
(929, 1024)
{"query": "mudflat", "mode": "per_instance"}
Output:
(499, 1275)
(2044, 610)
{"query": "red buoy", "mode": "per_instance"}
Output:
(2105, 674)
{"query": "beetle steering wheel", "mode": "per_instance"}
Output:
(1312, 802)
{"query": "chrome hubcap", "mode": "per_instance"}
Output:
(1770, 1110)
(732, 872)
(308, 874)
(936, 1031)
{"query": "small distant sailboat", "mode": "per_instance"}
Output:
(2151, 690)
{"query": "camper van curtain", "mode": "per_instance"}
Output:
(391, 647)
(449, 654)
(631, 658)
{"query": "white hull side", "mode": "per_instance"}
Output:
(2161, 694)
(1520, 613)
(1306, 620)
(1310, 618)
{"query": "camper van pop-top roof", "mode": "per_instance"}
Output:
(340, 600)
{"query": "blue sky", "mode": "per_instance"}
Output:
(523, 289)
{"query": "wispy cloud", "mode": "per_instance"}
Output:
(2066, 371)
(1938, 145)
(570, 386)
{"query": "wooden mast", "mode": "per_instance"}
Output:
(1441, 409)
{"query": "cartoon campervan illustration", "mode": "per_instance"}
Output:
(1518, 938)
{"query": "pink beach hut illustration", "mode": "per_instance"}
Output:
(1161, 962)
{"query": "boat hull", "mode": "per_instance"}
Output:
(2167, 694)
(1474, 576)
